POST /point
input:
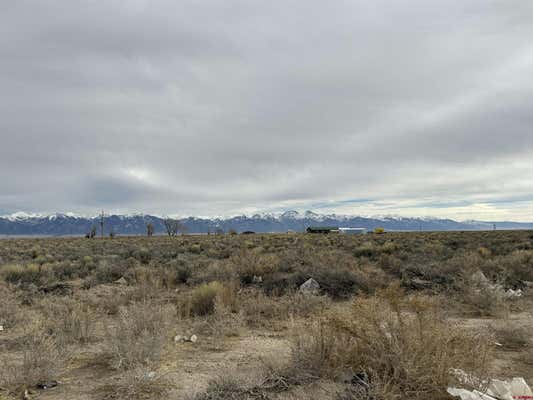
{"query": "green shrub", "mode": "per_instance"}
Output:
(195, 249)
(181, 269)
(144, 255)
(24, 274)
(67, 270)
(106, 273)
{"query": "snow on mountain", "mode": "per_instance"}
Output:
(22, 223)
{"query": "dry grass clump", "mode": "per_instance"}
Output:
(10, 311)
(250, 264)
(317, 350)
(399, 343)
(38, 360)
(139, 383)
(228, 388)
(202, 299)
(225, 322)
(261, 310)
(138, 334)
(69, 320)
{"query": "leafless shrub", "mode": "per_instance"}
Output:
(39, 360)
(137, 336)
(399, 342)
(224, 322)
(10, 311)
(69, 320)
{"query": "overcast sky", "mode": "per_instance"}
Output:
(223, 107)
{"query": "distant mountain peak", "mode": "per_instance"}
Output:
(291, 214)
(22, 223)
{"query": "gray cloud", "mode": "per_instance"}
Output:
(219, 107)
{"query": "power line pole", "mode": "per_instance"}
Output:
(102, 215)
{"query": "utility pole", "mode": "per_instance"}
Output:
(102, 215)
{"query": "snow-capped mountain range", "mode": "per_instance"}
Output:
(72, 224)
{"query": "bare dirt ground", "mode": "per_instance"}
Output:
(189, 366)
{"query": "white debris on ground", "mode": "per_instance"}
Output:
(515, 389)
(480, 280)
(510, 293)
(183, 339)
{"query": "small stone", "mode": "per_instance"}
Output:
(179, 339)
(1, 328)
(47, 385)
(193, 338)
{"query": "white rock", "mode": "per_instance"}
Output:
(511, 294)
(1, 328)
(469, 395)
(519, 387)
(179, 338)
(500, 389)
(310, 286)
(497, 389)
(193, 338)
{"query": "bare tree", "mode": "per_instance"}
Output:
(92, 233)
(173, 226)
(149, 229)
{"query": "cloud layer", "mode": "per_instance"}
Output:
(217, 107)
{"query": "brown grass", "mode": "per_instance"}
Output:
(138, 335)
(139, 383)
(399, 343)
